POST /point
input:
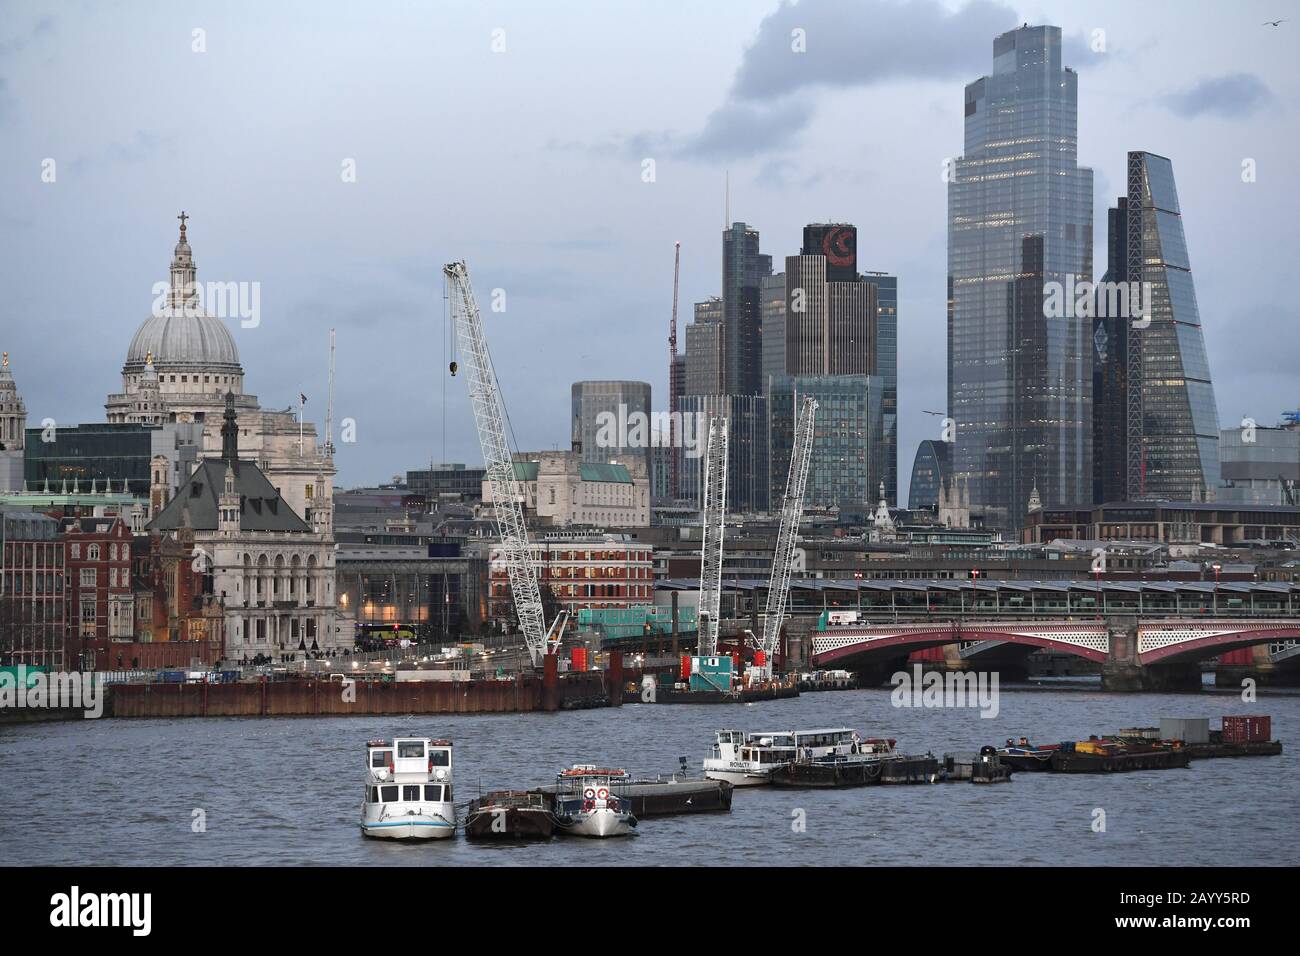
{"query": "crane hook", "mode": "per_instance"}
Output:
(453, 368)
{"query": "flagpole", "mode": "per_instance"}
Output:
(300, 424)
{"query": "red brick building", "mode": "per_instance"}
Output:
(97, 556)
(604, 572)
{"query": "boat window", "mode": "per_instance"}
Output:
(374, 794)
(380, 758)
(410, 748)
(390, 794)
(433, 793)
(411, 793)
(441, 758)
(446, 793)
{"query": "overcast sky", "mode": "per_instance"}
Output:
(528, 163)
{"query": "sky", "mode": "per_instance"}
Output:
(516, 136)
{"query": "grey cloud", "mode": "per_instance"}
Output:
(848, 45)
(857, 44)
(1231, 95)
(736, 130)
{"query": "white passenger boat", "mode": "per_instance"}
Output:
(749, 759)
(408, 789)
(590, 802)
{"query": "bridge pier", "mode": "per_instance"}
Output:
(1124, 673)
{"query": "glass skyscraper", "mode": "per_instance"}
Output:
(743, 269)
(887, 368)
(848, 454)
(1173, 422)
(1019, 217)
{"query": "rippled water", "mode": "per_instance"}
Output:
(287, 791)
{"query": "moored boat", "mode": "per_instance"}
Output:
(590, 802)
(862, 763)
(750, 759)
(510, 815)
(408, 794)
(1022, 755)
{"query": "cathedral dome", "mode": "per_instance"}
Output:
(180, 335)
(177, 339)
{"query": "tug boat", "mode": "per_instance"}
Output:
(592, 802)
(408, 790)
(749, 760)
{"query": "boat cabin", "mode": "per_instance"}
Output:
(409, 759)
(409, 793)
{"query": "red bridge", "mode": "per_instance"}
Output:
(1136, 650)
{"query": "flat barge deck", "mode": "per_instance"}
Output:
(667, 797)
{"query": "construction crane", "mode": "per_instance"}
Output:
(329, 412)
(778, 587)
(715, 516)
(507, 497)
(674, 376)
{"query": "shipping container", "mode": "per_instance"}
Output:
(1238, 729)
(1190, 730)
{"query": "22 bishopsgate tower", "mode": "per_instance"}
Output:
(1019, 218)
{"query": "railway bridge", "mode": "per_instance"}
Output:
(1134, 653)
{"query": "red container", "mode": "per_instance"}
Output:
(579, 659)
(760, 658)
(686, 667)
(1239, 729)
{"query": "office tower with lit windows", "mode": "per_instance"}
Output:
(1019, 218)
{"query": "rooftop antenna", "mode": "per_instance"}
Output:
(329, 408)
(726, 209)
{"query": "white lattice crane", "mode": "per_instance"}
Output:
(507, 496)
(778, 588)
(715, 516)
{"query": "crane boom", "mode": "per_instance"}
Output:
(778, 588)
(715, 514)
(507, 497)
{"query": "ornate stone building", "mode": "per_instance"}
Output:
(181, 364)
(13, 422)
(270, 570)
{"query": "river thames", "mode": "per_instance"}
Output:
(287, 791)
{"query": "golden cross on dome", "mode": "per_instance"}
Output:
(182, 217)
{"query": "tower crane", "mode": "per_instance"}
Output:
(507, 497)
(715, 515)
(778, 588)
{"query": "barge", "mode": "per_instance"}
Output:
(510, 815)
(668, 797)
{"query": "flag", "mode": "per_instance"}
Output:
(302, 398)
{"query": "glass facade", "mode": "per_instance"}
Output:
(743, 268)
(929, 470)
(1020, 216)
(746, 449)
(612, 403)
(848, 455)
(772, 293)
(887, 368)
(1173, 446)
(1110, 332)
(90, 453)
